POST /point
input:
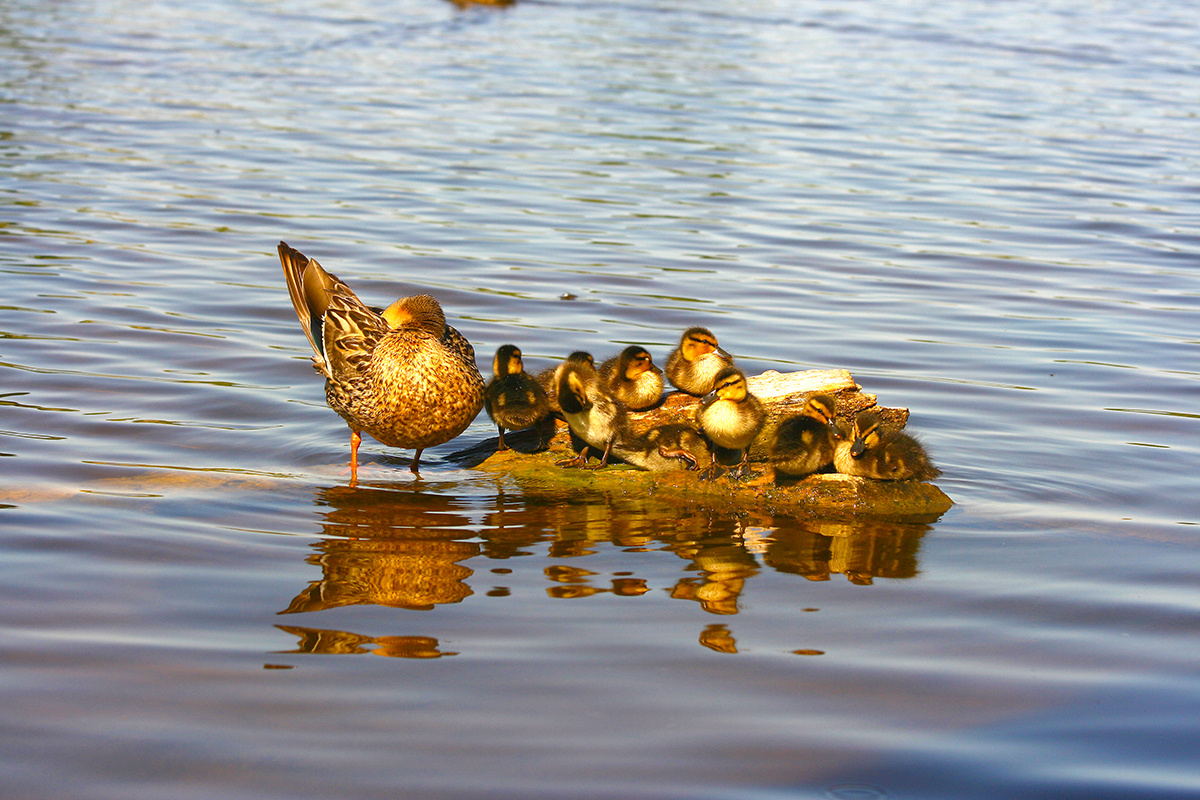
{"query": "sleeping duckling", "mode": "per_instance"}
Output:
(884, 455)
(512, 398)
(632, 379)
(404, 377)
(731, 418)
(663, 448)
(592, 415)
(804, 444)
(548, 378)
(693, 365)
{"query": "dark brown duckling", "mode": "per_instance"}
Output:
(663, 448)
(548, 378)
(695, 363)
(731, 418)
(632, 379)
(804, 444)
(404, 377)
(513, 399)
(591, 413)
(870, 452)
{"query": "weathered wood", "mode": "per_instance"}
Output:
(782, 394)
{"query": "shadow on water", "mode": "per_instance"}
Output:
(409, 550)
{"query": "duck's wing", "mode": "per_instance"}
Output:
(340, 328)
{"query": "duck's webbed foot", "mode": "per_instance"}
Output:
(578, 462)
(682, 455)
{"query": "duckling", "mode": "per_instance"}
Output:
(548, 378)
(870, 452)
(693, 365)
(731, 418)
(632, 378)
(663, 448)
(413, 384)
(512, 398)
(590, 412)
(804, 443)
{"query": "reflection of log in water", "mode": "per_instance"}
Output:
(331, 642)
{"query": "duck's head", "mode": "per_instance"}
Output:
(697, 343)
(866, 433)
(573, 383)
(823, 408)
(580, 357)
(507, 361)
(418, 311)
(730, 384)
(634, 362)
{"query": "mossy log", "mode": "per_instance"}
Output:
(532, 462)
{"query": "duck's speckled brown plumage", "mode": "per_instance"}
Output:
(870, 452)
(411, 384)
(695, 363)
(805, 443)
(513, 399)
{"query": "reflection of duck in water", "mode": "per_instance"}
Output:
(695, 363)
(404, 377)
(804, 443)
(631, 378)
(513, 399)
(731, 418)
(870, 452)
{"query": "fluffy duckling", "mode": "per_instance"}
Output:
(590, 412)
(632, 378)
(512, 398)
(731, 418)
(804, 443)
(548, 378)
(870, 452)
(694, 364)
(663, 448)
(411, 383)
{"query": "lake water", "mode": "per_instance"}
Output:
(987, 212)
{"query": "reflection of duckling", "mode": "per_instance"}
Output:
(548, 378)
(884, 455)
(694, 364)
(512, 398)
(805, 443)
(663, 448)
(405, 377)
(593, 416)
(632, 379)
(730, 417)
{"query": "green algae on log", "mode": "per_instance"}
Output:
(782, 395)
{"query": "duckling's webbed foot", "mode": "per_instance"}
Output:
(683, 455)
(578, 462)
(712, 471)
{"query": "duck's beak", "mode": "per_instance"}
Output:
(708, 399)
(833, 426)
(858, 448)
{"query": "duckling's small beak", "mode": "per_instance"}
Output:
(724, 353)
(708, 399)
(833, 426)
(858, 448)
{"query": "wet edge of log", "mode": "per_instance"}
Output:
(828, 496)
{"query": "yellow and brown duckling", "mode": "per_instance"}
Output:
(632, 379)
(591, 413)
(663, 448)
(548, 378)
(512, 398)
(731, 417)
(870, 452)
(804, 444)
(404, 377)
(695, 363)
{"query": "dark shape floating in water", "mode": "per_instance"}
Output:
(402, 376)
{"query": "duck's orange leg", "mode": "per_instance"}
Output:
(415, 466)
(355, 441)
